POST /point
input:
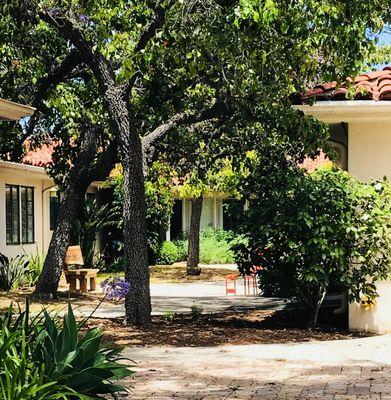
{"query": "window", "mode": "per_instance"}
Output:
(54, 208)
(19, 214)
(12, 214)
(27, 212)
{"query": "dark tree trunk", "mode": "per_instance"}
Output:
(72, 202)
(193, 257)
(138, 299)
(70, 208)
(316, 303)
(117, 101)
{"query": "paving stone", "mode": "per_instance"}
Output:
(343, 370)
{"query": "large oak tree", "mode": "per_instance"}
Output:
(138, 69)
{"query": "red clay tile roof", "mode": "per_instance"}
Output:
(39, 156)
(369, 86)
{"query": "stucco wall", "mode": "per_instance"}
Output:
(370, 149)
(41, 211)
(370, 157)
(376, 318)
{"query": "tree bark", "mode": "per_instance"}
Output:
(315, 307)
(193, 257)
(138, 299)
(73, 200)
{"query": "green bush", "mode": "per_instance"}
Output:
(214, 249)
(44, 358)
(169, 253)
(316, 232)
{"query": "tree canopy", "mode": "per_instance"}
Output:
(121, 75)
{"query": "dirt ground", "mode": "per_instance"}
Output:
(253, 327)
(177, 274)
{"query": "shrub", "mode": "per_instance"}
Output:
(315, 231)
(169, 253)
(12, 271)
(43, 358)
(215, 247)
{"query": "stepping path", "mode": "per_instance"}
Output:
(356, 369)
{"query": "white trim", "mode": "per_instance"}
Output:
(348, 110)
(11, 111)
(24, 168)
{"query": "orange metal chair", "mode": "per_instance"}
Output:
(228, 280)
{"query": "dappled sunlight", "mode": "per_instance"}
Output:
(258, 372)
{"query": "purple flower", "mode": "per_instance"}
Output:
(116, 288)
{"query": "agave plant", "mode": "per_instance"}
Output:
(44, 358)
(35, 266)
(12, 271)
(81, 363)
(20, 377)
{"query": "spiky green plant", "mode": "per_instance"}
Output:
(47, 358)
(12, 271)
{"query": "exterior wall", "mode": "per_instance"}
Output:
(370, 157)
(42, 232)
(375, 319)
(370, 149)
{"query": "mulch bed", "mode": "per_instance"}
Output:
(219, 329)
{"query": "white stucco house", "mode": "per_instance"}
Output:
(25, 200)
(361, 132)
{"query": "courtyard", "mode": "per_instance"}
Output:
(353, 369)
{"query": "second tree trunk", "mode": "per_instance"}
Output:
(193, 257)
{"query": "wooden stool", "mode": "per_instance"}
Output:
(81, 275)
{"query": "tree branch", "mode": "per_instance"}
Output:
(157, 23)
(216, 111)
(148, 141)
(55, 76)
(69, 27)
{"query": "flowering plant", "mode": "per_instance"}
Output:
(115, 288)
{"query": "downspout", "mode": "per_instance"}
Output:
(43, 215)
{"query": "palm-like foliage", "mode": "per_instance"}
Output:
(92, 220)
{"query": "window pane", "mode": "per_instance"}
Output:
(27, 205)
(12, 214)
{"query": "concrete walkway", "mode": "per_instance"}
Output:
(178, 298)
(357, 369)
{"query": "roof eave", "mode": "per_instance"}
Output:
(30, 169)
(11, 111)
(348, 110)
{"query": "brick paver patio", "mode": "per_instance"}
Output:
(358, 369)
